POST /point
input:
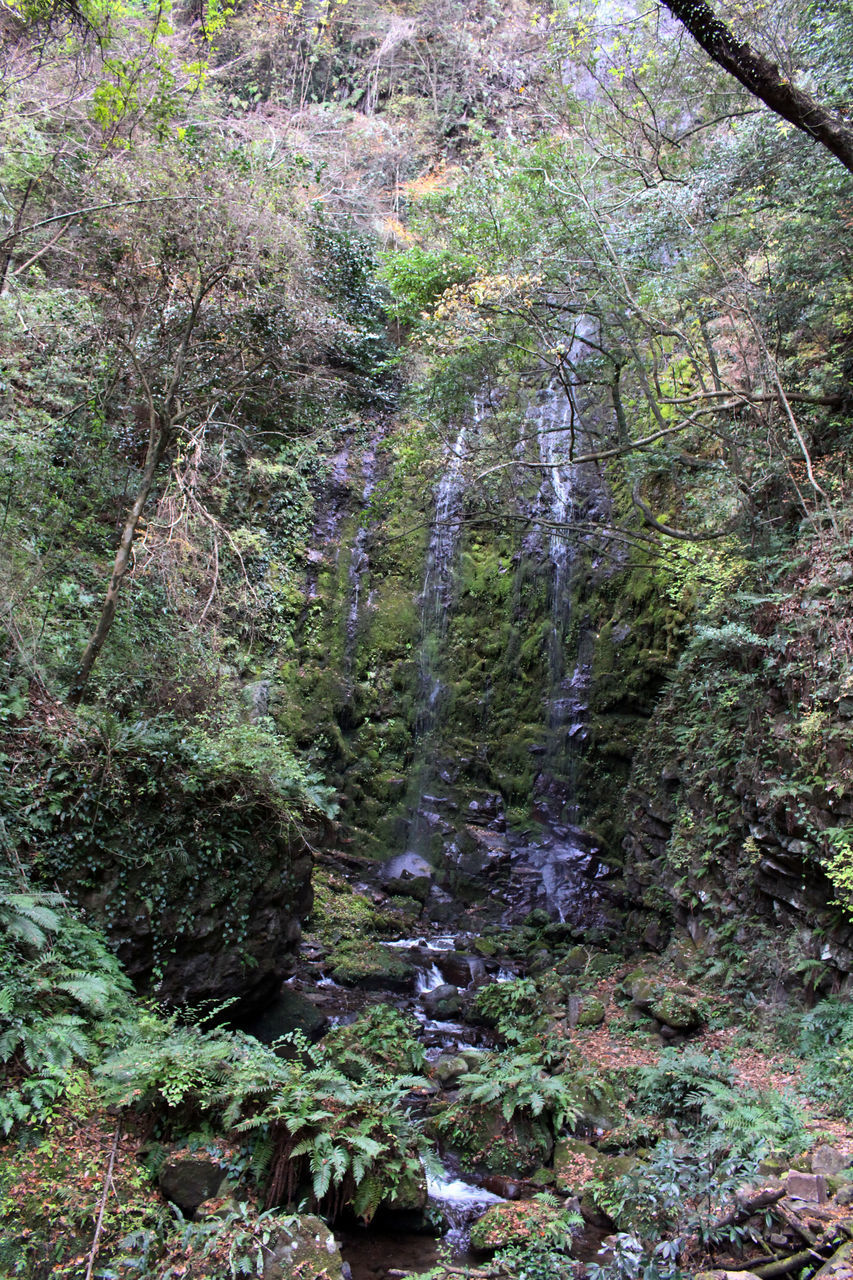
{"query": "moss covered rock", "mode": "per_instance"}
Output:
(360, 963)
(677, 1010)
(579, 1167)
(515, 1223)
(485, 1143)
(591, 1012)
(306, 1248)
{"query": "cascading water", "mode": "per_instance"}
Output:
(434, 604)
(459, 1203)
(326, 528)
(555, 417)
(558, 860)
(435, 595)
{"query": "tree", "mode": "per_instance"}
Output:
(165, 415)
(642, 256)
(197, 323)
(765, 80)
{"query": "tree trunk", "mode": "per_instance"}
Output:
(764, 79)
(158, 441)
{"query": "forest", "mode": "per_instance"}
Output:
(426, 639)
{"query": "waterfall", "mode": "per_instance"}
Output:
(459, 1203)
(556, 418)
(554, 864)
(434, 605)
(435, 595)
(358, 563)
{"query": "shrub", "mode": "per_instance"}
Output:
(63, 1000)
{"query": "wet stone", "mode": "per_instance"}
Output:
(188, 1181)
(449, 1067)
(306, 1248)
(442, 1002)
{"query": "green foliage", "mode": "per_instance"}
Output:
(673, 1196)
(187, 1070)
(355, 1140)
(544, 1251)
(64, 1000)
(514, 1008)
(699, 1092)
(237, 1243)
(516, 1084)
(168, 814)
(417, 277)
(826, 1045)
(382, 1037)
(352, 1138)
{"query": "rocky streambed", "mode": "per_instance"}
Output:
(575, 1091)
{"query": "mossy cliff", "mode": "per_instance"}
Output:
(544, 685)
(184, 849)
(741, 800)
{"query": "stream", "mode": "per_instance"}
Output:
(415, 1241)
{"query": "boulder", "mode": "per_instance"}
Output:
(371, 966)
(188, 1181)
(290, 1011)
(485, 946)
(410, 875)
(574, 961)
(676, 1010)
(643, 991)
(806, 1186)
(488, 1144)
(448, 1068)
(519, 1223)
(304, 1248)
(597, 1108)
(411, 1194)
(828, 1160)
(577, 1164)
(442, 1003)
(673, 1007)
(590, 1013)
(456, 967)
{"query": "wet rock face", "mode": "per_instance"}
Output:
(443, 1002)
(780, 880)
(290, 1011)
(206, 942)
(190, 1180)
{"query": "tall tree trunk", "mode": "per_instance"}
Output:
(764, 79)
(157, 444)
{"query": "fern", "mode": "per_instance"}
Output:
(700, 1094)
(63, 998)
(518, 1083)
(28, 917)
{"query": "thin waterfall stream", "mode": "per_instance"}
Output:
(435, 601)
(558, 861)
